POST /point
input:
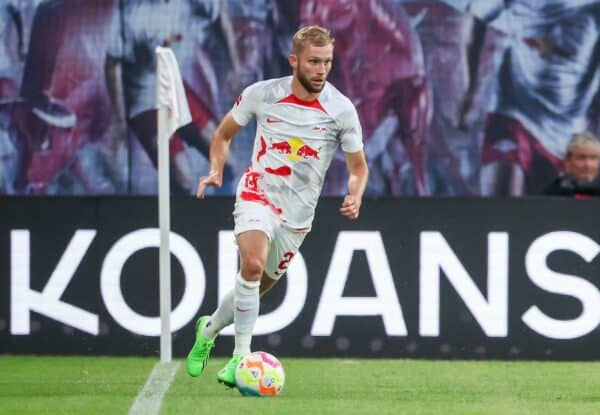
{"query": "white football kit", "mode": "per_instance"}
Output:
(294, 145)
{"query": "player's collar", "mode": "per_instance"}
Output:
(293, 99)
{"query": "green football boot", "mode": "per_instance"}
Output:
(226, 375)
(198, 356)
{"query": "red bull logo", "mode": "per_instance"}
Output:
(295, 149)
(282, 146)
(307, 151)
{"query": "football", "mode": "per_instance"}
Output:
(260, 374)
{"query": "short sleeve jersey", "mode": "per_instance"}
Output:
(294, 145)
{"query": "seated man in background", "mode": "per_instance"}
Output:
(581, 178)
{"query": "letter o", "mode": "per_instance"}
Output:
(110, 281)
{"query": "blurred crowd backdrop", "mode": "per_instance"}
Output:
(456, 97)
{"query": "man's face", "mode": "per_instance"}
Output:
(312, 66)
(583, 163)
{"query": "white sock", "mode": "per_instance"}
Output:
(221, 318)
(245, 313)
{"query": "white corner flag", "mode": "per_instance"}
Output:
(173, 112)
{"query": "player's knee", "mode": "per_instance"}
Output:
(252, 268)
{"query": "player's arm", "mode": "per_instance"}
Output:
(219, 151)
(357, 182)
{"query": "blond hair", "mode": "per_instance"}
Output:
(583, 139)
(314, 35)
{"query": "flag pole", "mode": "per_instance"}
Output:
(173, 112)
(164, 220)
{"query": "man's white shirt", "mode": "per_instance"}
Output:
(294, 145)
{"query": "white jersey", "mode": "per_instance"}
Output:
(294, 144)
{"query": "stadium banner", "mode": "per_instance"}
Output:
(455, 97)
(412, 278)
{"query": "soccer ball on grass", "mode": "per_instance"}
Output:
(259, 374)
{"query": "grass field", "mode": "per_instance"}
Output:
(103, 385)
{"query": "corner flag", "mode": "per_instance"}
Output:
(173, 112)
(170, 95)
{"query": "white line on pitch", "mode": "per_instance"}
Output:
(148, 401)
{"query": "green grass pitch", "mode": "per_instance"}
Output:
(105, 385)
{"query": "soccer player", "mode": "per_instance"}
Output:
(301, 119)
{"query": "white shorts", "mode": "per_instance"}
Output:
(283, 242)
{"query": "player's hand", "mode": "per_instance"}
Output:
(350, 207)
(214, 178)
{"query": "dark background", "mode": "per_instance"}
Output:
(464, 223)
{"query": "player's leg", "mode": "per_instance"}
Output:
(223, 315)
(207, 329)
(281, 250)
(254, 229)
(197, 357)
(239, 306)
(253, 246)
